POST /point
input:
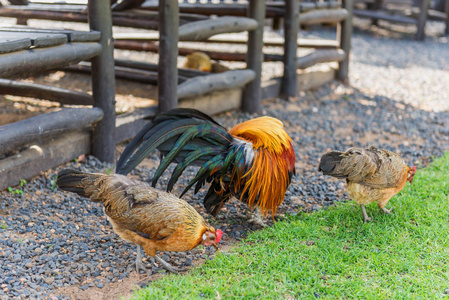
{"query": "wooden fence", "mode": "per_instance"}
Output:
(39, 143)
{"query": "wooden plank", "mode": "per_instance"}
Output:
(227, 56)
(182, 73)
(323, 16)
(344, 34)
(38, 60)
(254, 58)
(206, 84)
(230, 39)
(126, 4)
(320, 56)
(103, 81)
(315, 77)
(202, 30)
(234, 9)
(168, 55)
(21, 133)
(63, 96)
(78, 17)
(308, 6)
(383, 16)
(73, 36)
(130, 123)
(215, 102)
(271, 88)
(38, 40)
(291, 23)
(8, 44)
(42, 156)
(142, 76)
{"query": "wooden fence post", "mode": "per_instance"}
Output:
(422, 19)
(344, 33)
(168, 54)
(103, 81)
(291, 28)
(254, 58)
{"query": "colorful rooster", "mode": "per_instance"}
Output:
(254, 161)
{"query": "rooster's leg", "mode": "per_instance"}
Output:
(167, 266)
(387, 211)
(140, 265)
(256, 217)
(365, 216)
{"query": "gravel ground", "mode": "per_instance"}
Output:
(52, 241)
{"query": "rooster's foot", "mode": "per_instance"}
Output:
(365, 215)
(387, 211)
(169, 267)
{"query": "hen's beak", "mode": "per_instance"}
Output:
(215, 246)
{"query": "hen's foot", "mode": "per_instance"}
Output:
(256, 217)
(169, 267)
(365, 215)
(387, 211)
(140, 265)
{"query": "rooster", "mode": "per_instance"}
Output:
(372, 175)
(153, 219)
(254, 161)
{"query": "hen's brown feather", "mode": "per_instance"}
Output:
(373, 175)
(154, 219)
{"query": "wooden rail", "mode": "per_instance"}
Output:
(63, 96)
(18, 134)
(39, 60)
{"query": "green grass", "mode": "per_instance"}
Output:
(332, 253)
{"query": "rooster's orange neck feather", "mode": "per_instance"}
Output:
(273, 163)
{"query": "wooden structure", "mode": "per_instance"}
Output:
(96, 130)
(415, 12)
(39, 143)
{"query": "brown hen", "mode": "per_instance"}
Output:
(153, 219)
(372, 175)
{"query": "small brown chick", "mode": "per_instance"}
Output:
(153, 219)
(202, 62)
(198, 61)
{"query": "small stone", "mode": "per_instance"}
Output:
(188, 261)
(49, 280)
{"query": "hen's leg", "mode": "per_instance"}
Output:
(140, 265)
(167, 266)
(387, 211)
(365, 216)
